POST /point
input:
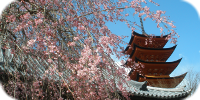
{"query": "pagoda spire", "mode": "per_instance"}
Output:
(142, 27)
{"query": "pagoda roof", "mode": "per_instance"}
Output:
(164, 82)
(150, 54)
(152, 69)
(158, 68)
(139, 39)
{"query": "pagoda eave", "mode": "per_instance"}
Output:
(150, 54)
(158, 68)
(164, 82)
(141, 40)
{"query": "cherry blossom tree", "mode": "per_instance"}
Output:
(73, 33)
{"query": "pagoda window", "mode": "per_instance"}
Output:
(161, 71)
(157, 58)
(149, 70)
(147, 56)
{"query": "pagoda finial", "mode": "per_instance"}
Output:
(142, 27)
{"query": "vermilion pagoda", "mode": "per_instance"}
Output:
(153, 56)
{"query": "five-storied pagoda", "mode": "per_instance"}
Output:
(152, 82)
(149, 51)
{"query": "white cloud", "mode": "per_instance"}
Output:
(195, 4)
(182, 56)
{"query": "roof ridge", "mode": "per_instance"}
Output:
(176, 89)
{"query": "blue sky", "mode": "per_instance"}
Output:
(186, 21)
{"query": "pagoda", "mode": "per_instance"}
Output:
(149, 52)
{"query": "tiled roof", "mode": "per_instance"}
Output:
(162, 94)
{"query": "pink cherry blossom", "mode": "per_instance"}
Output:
(76, 38)
(71, 43)
(81, 28)
(50, 60)
(31, 42)
(40, 15)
